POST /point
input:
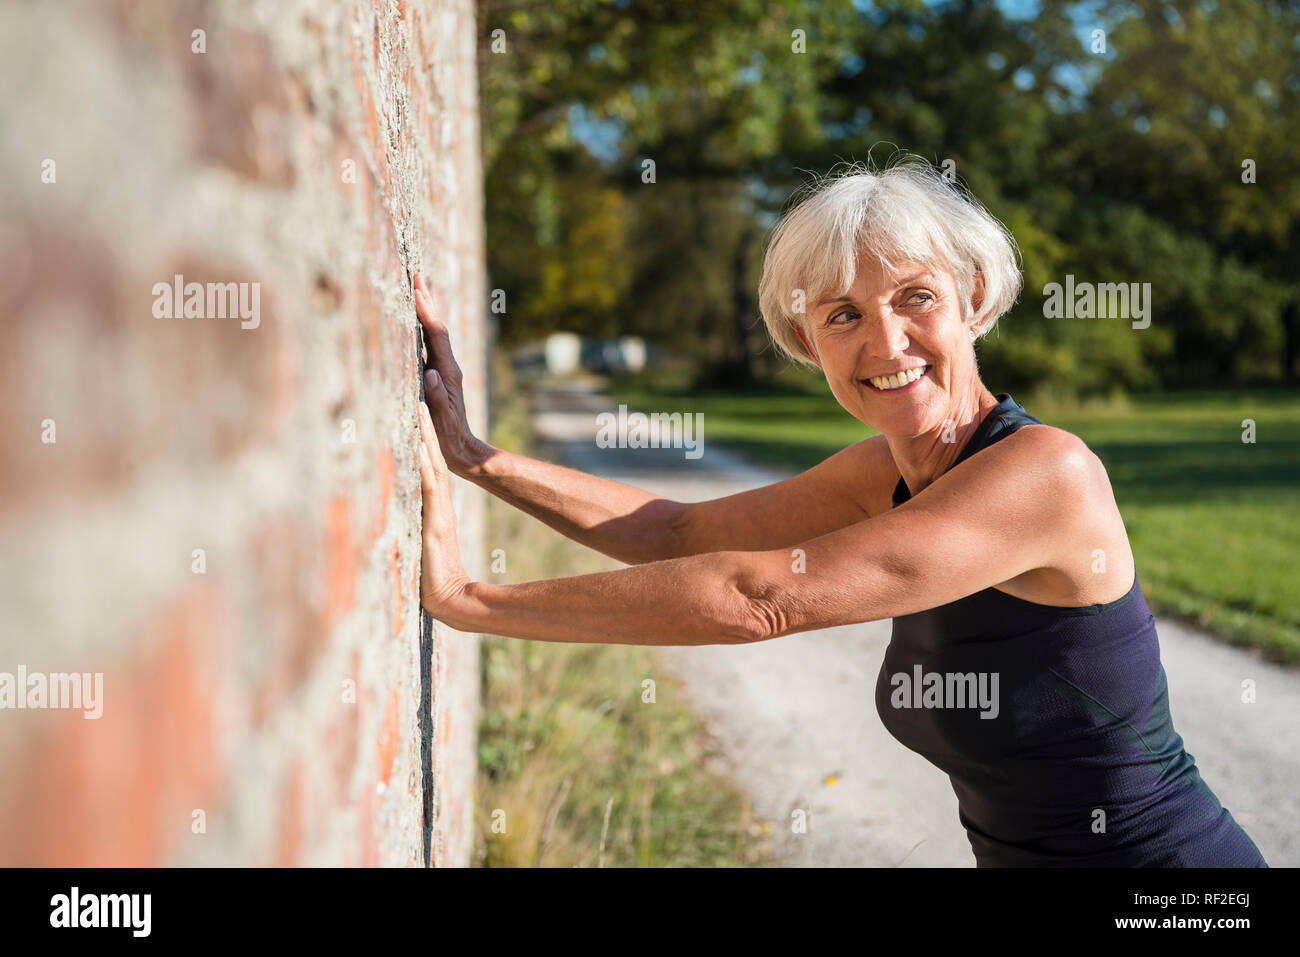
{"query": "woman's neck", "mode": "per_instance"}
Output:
(921, 459)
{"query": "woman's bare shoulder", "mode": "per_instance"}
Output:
(865, 471)
(1095, 561)
(1059, 449)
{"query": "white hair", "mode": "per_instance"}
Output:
(905, 213)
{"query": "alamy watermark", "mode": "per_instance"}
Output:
(1104, 300)
(659, 430)
(79, 690)
(75, 909)
(215, 300)
(947, 689)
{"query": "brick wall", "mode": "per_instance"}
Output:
(261, 698)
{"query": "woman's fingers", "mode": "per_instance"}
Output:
(443, 393)
(435, 477)
(428, 484)
(429, 437)
(435, 330)
(434, 390)
(435, 395)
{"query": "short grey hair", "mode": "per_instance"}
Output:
(906, 212)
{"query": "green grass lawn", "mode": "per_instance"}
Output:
(1214, 522)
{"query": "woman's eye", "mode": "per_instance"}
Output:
(923, 296)
(848, 314)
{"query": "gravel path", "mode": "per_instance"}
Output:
(797, 718)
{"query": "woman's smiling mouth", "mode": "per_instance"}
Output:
(899, 382)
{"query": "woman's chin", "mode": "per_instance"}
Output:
(893, 415)
(909, 421)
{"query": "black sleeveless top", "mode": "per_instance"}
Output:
(1053, 725)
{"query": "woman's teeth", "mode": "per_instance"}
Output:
(885, 383)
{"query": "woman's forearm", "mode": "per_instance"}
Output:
(698, 600)
(617, 520)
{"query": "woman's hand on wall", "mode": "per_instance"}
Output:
(463, 452)
(442, 577)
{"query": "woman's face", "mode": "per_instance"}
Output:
(888, 323)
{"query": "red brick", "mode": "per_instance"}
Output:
(343, 733)
(291, 630)
(289, 833)
(239, 107)
(341, 560)
(386, 747)
(196, 401)
(366, 825)
(385, 473)
(395, 564)
(119, 790)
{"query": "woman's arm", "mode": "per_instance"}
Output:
(618, 520)
(1017, 506)
(615, 519)
(684, 601)
(635, 526)
(627, 523)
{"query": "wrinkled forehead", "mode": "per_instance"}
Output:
(874, 275)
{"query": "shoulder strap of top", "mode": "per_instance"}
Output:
(1000, 422)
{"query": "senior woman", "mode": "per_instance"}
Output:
(1023, 660)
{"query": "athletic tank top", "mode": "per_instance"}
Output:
(1053, 725)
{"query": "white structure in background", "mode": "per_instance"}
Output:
(627, 354)
(632, 353)
(563, 353)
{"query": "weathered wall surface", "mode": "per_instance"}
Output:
(221, 515)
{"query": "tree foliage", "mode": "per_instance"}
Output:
(1112, 138)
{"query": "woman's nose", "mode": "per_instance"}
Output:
(886, 335)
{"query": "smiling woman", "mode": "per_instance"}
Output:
(907, 214)
(991, 539)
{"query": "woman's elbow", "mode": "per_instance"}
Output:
(757, 606)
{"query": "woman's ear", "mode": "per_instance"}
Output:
(977, 294)
(807, 346)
